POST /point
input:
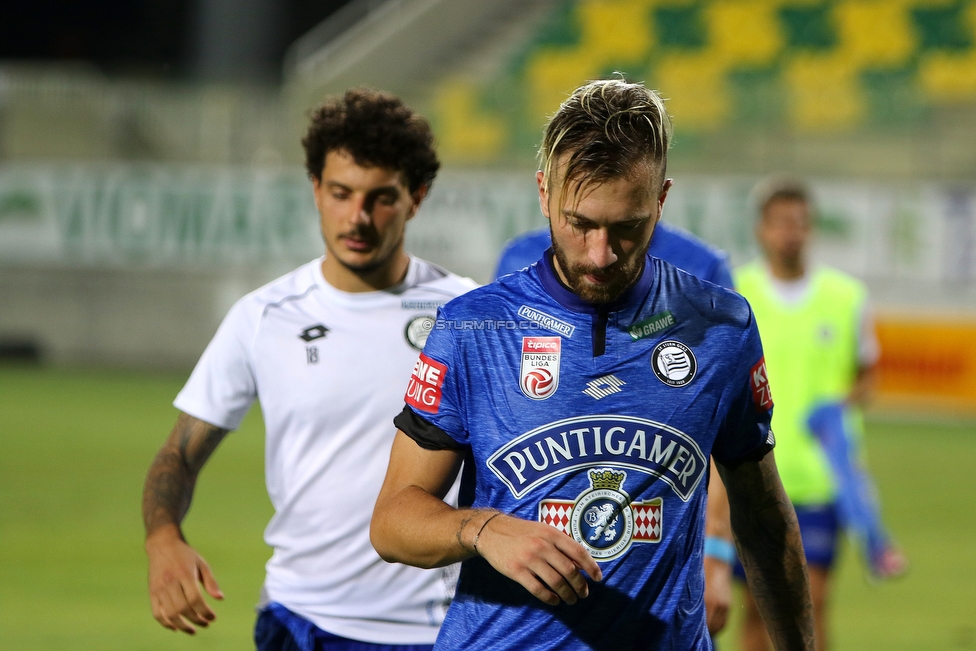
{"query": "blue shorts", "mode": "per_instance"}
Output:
(279, 629)
(819, 529)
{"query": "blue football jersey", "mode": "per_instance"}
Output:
(598, 421)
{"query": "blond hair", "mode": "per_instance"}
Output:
(607, 128)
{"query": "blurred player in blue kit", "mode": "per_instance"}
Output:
(680, 248)
(325, 349)
(584, 396)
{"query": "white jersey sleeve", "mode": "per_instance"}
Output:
(222, 387)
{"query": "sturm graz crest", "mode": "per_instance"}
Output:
(418, 329)
(673, 363)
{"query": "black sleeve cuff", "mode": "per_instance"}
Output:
(754, 456)
(426, 434)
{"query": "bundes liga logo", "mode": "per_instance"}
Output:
(539, 375)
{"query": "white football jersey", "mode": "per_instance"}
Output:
(330, 369)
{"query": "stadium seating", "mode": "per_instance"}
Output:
(806, 66)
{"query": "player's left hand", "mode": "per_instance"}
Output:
(176, 572)
(718, 593)
(544, 560)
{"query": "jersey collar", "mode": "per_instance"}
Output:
(366, 299)
(565, 296)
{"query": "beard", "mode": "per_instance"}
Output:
(621, 275)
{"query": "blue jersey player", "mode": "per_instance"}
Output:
(583, 396)
(687, 252)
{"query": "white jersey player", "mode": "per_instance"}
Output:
(327, 350)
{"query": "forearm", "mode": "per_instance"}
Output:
(863, 387)
(411, 522)
(173, 474)
(411, 525)
(770, 550)
(416, 528)
(167, 492)
(719, 554)
(717, 520)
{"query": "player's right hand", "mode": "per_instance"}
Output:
(176, 572)
(544, 560)
(718, 594)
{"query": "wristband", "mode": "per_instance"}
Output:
(478, 535)
(720, 549)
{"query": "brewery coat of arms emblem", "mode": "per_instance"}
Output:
(603, 518)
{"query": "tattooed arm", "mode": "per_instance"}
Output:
(768, 541)
(175, 568)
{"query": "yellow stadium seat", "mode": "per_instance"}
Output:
(615, 30)
(948, 77)
(552, 74)
(696, 87)
(875, 32)
(464, 133)
(744, 33)
(823, 92)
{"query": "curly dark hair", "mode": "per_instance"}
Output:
(377, 130)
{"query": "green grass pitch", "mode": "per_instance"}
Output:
(76, 446)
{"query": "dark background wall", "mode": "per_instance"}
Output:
(210, 39)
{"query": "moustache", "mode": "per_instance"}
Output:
(365, 234)
(598, 272)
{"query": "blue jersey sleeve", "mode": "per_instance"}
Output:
(522, 251)
(720, 274)
(745, 432)
(434, 391)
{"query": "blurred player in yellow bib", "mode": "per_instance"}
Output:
(821, 351)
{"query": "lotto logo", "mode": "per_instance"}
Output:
(424, 390)
(759, 382)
